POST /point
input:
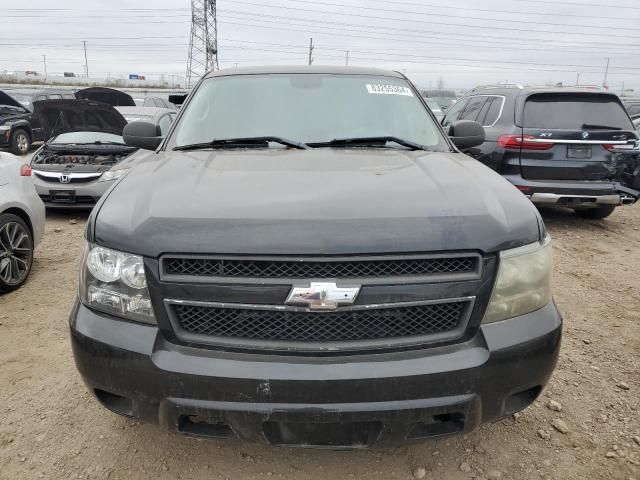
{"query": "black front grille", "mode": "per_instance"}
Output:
(241, 268)
(337, 326)
(80, 199)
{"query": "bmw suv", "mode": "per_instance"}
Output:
(574, 147)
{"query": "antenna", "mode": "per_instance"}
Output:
(203, 45)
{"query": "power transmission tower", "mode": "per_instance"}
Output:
(203, 46)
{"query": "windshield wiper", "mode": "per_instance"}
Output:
(368, 141)
(603, 127)
(244, 143)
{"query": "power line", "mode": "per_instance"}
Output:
(101, 18)
(496, 10)
(48, 17)
(279, 20)
(579, 4)
(388, 2)
(387, 19)
(466, 17)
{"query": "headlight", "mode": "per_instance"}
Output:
(4, 128)
(114, 282)
(524, 282)
(112, 174)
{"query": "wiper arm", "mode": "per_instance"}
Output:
(243, 142)
(337, 142)
(603, 127)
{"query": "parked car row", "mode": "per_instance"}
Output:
(396, 288)
(19, 123)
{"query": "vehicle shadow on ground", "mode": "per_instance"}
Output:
(62, 215)
(559, 218)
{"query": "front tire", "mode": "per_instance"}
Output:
(16, 252)
(20, 142)
(597, 213)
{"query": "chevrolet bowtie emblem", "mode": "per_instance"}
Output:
(322, 296)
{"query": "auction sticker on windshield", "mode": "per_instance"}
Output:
(389, 90)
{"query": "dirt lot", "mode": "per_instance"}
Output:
(50, 427)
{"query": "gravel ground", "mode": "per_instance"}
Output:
(584, 426)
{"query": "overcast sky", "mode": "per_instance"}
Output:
(462, 42)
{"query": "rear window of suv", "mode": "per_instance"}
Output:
(571, 111)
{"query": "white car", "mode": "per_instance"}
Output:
(22, 217)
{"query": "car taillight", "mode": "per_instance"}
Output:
(527, 142)
(609, 147)
(25, 171)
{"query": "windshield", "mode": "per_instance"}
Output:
(573, 111)
(87, 137)
(309, 108)
(23, 99)
(444, 102)
(433, 105)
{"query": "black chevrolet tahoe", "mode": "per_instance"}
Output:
(307, 259)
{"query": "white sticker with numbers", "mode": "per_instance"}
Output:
(380, 89)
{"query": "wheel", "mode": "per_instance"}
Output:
(16, 252)
(596, 213)
(20, 142)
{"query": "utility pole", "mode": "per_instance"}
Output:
(310, 50)
(346, 60)
(44, 60)
(86, 64)
(606, 71)
(578, 79)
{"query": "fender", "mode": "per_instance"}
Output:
(23, 124)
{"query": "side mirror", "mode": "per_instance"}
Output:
(466, 134)
(142, 135)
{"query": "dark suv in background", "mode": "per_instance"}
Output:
(574, 147)
(19, 126)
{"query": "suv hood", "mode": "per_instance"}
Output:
(11, 113)
(315, 202)
(61, 116)
(6, 99)
(106, 95)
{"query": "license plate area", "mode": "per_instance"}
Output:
(62, 196)
(579, 151)
(322, 435)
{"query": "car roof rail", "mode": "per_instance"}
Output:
(593, 87)
(599, 88)
(497, 85)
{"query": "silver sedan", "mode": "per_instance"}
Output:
(22, 217)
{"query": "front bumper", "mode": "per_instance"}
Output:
(574, 194)
(80, 196)
(337, 402)
(5, 138)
